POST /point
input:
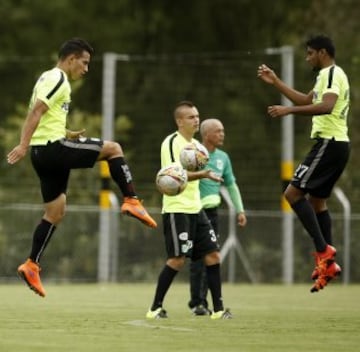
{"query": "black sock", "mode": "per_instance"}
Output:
(214, 283)
(307, 216)
(324, 220)
(165, 279)
(198, 283)
(41, 238)
(121, 174)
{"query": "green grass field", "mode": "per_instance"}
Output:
(79, 318)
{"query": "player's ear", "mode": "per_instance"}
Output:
(179, 121)
(72, 57)
(323, 52)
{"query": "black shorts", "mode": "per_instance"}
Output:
(212, 214)
(53, 162)
(189, 235)
(322, 167)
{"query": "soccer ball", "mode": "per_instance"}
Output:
(194, 157)
(171, 180)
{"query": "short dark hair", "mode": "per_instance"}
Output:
(321, 41)
(74, 46)
(181, 104)
(187, 103)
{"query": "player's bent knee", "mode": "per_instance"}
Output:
(55, 217)
(212, 258)
(55, 210)
(113, 149)
(176, 263)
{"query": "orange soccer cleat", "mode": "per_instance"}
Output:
(134, 208)
(29, 272)
(332, 271)
(324, 270)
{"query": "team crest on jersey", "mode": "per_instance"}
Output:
(219, 164)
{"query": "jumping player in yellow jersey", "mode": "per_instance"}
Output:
(328, 104)
(187, 230)
(56, 150)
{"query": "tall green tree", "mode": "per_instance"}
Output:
(161, 31)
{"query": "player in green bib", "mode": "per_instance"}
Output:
(328, 103)
(212, 136)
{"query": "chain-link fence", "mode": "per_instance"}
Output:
(147, 88)
(138, 253)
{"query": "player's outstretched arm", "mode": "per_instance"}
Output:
(269, 76)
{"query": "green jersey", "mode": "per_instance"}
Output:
(53, 89)
(332, 79)
(219, 163)
(188, 201)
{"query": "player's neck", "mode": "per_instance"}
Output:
(63, 67)
(187, 136)
(210, 147)
(329, 62)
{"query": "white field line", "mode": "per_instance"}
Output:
(145, 324)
